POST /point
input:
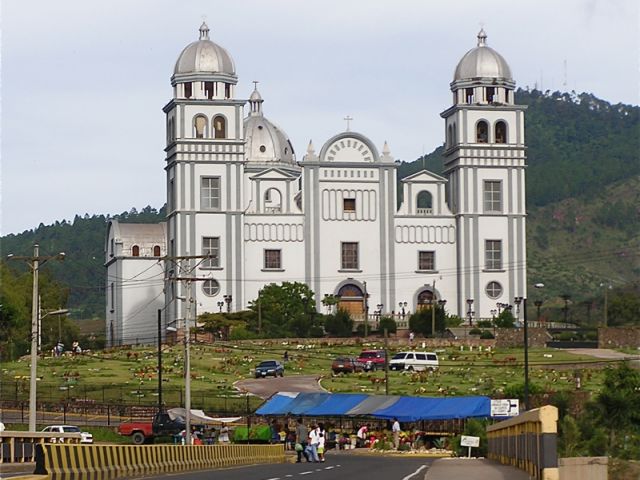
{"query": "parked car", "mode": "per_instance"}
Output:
(346, 365)
(372, 359)
(418, 361)
(269, 367)
(85, 437)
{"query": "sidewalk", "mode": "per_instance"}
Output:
(473, 469)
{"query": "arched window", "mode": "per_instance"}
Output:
(482, 132)
(272, 201)
(455, 134)
(424, 203)
(135, 251)
(156, 251)
(200, 126)
(220, 127)
(501, 132)
(450, 136)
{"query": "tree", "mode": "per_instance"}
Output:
(340, 324)
(285, 310)
(505, 319)
(420, 321)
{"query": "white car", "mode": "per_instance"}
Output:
(85, 437)
(417, 361)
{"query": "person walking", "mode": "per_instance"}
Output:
(314, 441)
(302, 435)
(395, 428)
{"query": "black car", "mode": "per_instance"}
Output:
(269, 368)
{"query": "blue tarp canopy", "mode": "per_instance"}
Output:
(337, 404)
(411, 409)
(406, 409)
(276, 405)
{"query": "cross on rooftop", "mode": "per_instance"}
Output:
(348, 119)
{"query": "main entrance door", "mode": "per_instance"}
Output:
(424, 299)
(351, 300)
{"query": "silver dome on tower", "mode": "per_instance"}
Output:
(266, 143)
(205, 59)
(482, 63)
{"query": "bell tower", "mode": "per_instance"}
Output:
(204, 165)
(485, 164)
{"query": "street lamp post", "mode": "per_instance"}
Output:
(517, 301)
(402, 306)
(526, 356)
(35, 262)
(607, 287)
(220, 305)
(538, 304)
(378, 313)
(469, 312)
(228, 299)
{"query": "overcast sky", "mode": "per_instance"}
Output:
(84, 82)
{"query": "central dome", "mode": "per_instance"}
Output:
(482, 62)
(204, 57)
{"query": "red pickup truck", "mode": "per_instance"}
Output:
(372, 359)
(145, 432)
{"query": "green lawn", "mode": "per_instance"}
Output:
(129, 375)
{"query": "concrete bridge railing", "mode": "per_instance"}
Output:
(528, 442)
(19, 447)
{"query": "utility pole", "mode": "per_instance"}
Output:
(159, 360)
(386, 362)
(433, 309)
(35, 262)
(259, 314)
(187, 365)
(526, 356)
(366, 310)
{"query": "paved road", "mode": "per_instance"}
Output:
(338, 465)
(604, 353)
(265, 387)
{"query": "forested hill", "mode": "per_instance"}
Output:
(578, 148)
(576, 145)
(82, 240)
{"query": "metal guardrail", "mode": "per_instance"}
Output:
(19, 447)
(527, 442)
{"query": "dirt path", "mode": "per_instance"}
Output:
(265, 387)
(604, 353)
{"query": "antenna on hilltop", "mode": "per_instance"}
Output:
(564, 82)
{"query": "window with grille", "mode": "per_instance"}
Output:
(426, 260)
(349, 256)
(273, 259)
(211, 248)
(494, 290)
(493, 254)
(210, 193)
(492, 196)
(210, 288)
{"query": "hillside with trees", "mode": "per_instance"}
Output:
(583, 189)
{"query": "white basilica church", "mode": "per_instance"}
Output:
(244, 211)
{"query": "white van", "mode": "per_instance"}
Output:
(414, 361)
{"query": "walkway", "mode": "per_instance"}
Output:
(472, 469)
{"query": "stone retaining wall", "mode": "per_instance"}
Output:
(619, 337)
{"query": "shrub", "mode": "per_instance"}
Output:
(340, 324)
(388, 323)
(475, 331)
(486, 335)
(485, 324)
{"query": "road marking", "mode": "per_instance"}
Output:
(274, 478)
(329, 468)
(305, 473)
(415, 473)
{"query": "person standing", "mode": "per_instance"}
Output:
(301, 439)
(314, 441)
(322, 437)
(395, 428)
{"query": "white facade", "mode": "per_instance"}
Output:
(242, 212)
